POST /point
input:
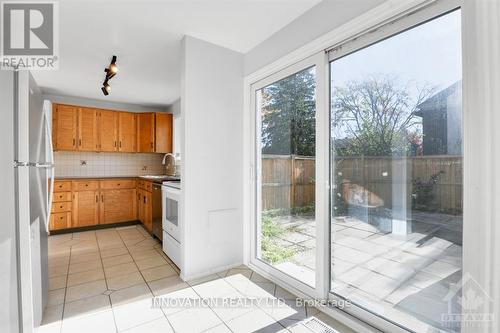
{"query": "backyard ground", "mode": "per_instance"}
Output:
(404, 278)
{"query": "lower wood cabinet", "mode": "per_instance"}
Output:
(90, 202)
(145, 208)
(118, 205)
(85, 208)
(60, 221)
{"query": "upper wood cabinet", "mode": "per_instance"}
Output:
(108, 130)
(126, 132)
(64, 123)
(154, 132)
(163, 132)
(146, 132)
(90, 129)
(87, 129)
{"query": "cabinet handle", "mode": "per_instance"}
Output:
(144, 199)
(96, 198)
(102, 197)
(80, 142)
(74, 142)
(120, 143)
(115, 144)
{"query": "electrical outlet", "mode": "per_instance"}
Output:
(144, 168)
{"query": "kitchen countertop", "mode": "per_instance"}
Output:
(94, 177)
(154, 180)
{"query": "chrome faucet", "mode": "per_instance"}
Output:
(173, 159)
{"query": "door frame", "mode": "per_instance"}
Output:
(318, 61)
(381, 22)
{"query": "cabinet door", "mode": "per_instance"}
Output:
(145, 132)
(64, 127)
(148, 211)
(163, 132)
(140, 206)
(59, 221)
(127, 132)
(87, 129)
(118, 206)
(85, 208)
(108, 130)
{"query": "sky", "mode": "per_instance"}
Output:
(428, 54)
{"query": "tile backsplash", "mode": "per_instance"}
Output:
(91, 164)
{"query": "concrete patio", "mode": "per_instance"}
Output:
(401, 277)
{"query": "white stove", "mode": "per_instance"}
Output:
(171, 222)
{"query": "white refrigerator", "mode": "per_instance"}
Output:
(27, 174)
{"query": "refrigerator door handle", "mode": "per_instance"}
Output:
(41, 165)
(50, 164)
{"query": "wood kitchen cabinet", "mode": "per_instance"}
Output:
(154, 132)
(85, 208)
(144, 201)
(163, 132)
(146, 132)
(87, 129)
(91, 129)
(90, 202)
(118, 201)
(108, 130)
(146, 210)
(60, 217)
(126, 132)
(64, 124)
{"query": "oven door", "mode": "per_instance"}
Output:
(170, 211)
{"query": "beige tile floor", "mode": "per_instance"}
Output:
(104, 281)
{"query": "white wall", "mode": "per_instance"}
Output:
(322, 18)
(211, 110)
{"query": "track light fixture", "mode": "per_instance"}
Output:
(110, 73)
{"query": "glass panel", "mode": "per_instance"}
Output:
(396, 138)
(286, 230)
(172, 214)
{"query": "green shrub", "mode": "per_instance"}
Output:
(271, 250)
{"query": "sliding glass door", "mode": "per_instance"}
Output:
(287, 147)
(396, 140)
(358, 174)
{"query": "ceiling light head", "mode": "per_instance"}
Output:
(110, 71)
(113, 69)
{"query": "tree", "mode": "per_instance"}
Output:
(288, 111)
(376, 117)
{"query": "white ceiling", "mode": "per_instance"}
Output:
(146, 36)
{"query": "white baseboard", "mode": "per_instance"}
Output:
(209, 272)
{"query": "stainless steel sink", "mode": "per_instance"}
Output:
(161, 177)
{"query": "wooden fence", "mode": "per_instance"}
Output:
(289, 181)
